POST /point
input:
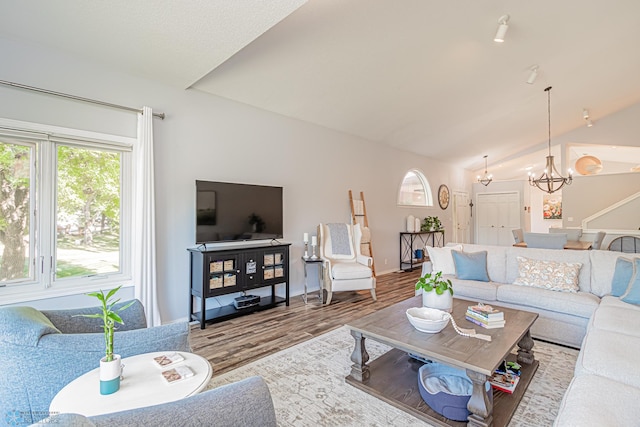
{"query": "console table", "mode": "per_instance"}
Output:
(408, 245)
(228, 270)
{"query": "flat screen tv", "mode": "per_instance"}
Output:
(228, 212)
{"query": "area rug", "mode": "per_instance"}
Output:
(308, 387)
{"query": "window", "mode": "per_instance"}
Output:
(415, 190)
(65, 203)
(16, 194)
(87, 212)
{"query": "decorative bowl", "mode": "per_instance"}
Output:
(425, 319)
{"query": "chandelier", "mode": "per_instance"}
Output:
(551, 180)
(486, 178)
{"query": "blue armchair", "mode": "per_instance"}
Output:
(42, 351)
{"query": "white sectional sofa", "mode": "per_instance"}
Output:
(606, 386)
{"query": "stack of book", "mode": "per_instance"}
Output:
(485, 316)
(506, 377)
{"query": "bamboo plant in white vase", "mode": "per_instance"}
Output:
(110, 364)
(437, 292)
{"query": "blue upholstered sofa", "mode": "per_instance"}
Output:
(42, 351)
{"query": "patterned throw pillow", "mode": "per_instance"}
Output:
(555, 276)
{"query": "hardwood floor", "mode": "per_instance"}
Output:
(236, 342)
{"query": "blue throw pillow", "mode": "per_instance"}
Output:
(632, 295)
(621, 276)
(471, 265)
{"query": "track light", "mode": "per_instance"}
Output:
(533, 75)
(502, 29)
(585, 115)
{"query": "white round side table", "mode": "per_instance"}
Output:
(142, 385)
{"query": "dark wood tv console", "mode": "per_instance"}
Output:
(222, 271)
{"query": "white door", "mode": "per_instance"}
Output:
(497, 215)
(486, 219)
(461, 218)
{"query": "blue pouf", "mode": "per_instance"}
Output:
(446, 390)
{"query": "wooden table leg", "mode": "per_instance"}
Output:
(359, 357)
(480, 404)
(525, 352)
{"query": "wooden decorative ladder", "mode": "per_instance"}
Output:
(359, 216)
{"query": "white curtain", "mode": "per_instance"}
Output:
(144, 220)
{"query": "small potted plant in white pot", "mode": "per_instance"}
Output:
(431, 223)
(110, 364)
(437, 292)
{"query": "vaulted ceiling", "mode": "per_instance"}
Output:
(421, 75)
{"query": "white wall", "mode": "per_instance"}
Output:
(210, 138)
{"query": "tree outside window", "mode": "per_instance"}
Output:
(67, 223)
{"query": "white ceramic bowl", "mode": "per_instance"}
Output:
(425, 319)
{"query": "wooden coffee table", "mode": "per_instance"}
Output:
(143, 385)
(393, 377)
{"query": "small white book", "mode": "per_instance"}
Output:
(176, 374)
(169, 359)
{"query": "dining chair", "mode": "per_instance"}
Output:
(545, 240)
(517, 235)
(572, 233)
(627, 244)
(597, 241)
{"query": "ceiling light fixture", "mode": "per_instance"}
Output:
(487, 178)
(502, 29)
(551, 180)
(533, 75)
(585, 115)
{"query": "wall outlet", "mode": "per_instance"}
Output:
(570, 219)
(385, 261)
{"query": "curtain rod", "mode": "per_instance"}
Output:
(77, 98)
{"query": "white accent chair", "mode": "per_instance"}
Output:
(345, 268)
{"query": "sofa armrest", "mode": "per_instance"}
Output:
(244, 403)
(427, 267)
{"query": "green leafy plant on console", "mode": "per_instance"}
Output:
(431, 223)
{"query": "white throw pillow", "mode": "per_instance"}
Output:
(555, 276)
(441, 258)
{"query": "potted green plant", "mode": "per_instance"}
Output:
(437, 292)
(437, 225)
(110, 364)
(431, 223)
